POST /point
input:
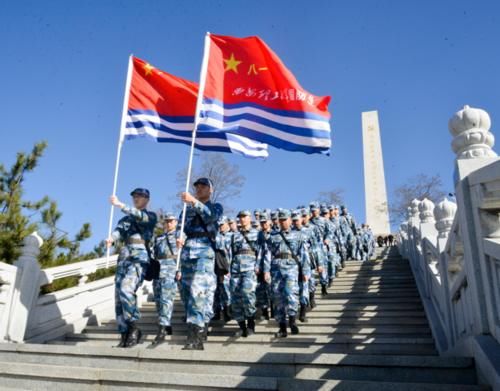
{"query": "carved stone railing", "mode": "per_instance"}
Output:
(454, 250)
(28, 316)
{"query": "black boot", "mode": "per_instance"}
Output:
(293, 327)
(204, 333)
(312, 300)
(251, 326)
(302, 315)
(330, 280)
(272, 311)
(123, 340)
(161, 334)
(242, 332)
(282, 333)
(194, 338)
(216, 315)
(227, 314)
(324, 292)
(265, 313)
(134, 335)
(168, 329)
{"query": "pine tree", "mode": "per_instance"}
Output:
(17, 217)
(15, 212)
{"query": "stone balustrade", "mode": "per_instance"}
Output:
(454, 249)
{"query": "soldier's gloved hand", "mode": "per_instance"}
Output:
(109, 242)
(320, 269)
(267, 276)
(188, 198)
(305, 278)
(116, 202)
(179, 242)
(178, 276)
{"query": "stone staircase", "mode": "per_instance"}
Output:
(370, 333)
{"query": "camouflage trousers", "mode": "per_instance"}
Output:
(198, 286)
(284, 288)
(222, 293)
(243, 298)
(164, 289)
(304, 289)
(263, 294)
(128, 278)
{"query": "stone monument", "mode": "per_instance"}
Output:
(377, 212)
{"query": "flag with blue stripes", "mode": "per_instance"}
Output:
(161, 107)
(250, 92)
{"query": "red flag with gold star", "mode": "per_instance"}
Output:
(161, 107)
(250, 92)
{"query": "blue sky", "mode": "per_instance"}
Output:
(63, 71)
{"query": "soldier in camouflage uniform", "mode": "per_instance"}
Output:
(263, 291)
(222, 299)
(198, 280)
(335, 219)
(316, 253)
(324, 233)
(304, 285)
(275, 221)
(330, 245)
(135, 230)
(165, 287)
(244, 250)
(347, 220)
(285, 260)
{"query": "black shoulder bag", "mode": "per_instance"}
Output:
(153, 267)
(294, 256)
(221, 264)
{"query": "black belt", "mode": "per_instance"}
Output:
(283, 256)
(246, 252)
(135, 241)
(194, 235)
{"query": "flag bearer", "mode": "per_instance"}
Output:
(135, 230)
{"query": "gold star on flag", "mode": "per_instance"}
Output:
(232, 64)
(148, 68)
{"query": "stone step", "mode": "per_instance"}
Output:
(262, 364)
(326, 314)
(305, 329)
(313, 318)
(260, 338)
(242, 345)
(47, 377)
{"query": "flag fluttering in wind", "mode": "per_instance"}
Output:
(249, 92)
(162, 107)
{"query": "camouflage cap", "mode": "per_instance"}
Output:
(244, 213)
(324, 210)
(314, 205)
(169, 216)
(296, 215)
(304, 212)
(274, 214)
(140, 191)
(263, 217)
(223, 220)
(283, 214)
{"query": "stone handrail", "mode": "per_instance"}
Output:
(28, 316)
(454, 250)
(81, 269)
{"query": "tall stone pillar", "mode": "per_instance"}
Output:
(377, 211)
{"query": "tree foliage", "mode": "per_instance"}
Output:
(226, 177)
(20, 217)
(420, 186)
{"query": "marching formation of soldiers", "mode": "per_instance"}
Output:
(274, 258)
